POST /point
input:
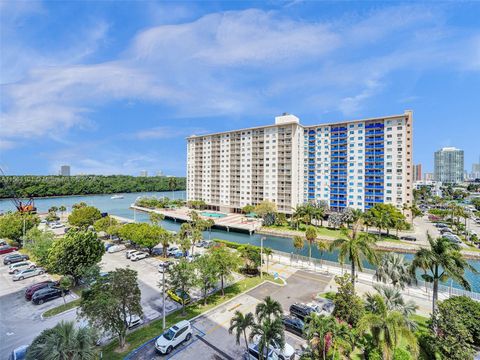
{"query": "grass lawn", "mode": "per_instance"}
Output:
(153, 329)
(61, 308)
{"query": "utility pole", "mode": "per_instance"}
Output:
(261, 256)
(163, 292)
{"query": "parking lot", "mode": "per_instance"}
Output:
(211, 339)
(20, 320)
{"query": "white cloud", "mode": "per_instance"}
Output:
(232, 63)
(167, 132)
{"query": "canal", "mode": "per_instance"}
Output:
(121, 207)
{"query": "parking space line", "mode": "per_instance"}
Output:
(225, 355)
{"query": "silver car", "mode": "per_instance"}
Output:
(28, 273)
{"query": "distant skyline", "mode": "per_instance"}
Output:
(115, 87)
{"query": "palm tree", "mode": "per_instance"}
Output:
(322, 246)
(268, 330)
(172, 184)
(268, 308)
(166, 239)
(268, 253)
(355, 247)
(298, 243)
(64, 341)
(318, 331)
(196, 237)
(441, 262)
(240, 323)
(386, 327)
(310, 235)
(62, 209)
(393, 269)
(209, 224)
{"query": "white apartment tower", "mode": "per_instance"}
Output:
(349, 164)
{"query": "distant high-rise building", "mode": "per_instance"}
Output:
(449, 165)
(65, 170)
(144, 173)
(476, 170)
(160, 173)
(417, 172)
(428, 176)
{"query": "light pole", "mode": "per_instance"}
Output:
(261, 256)
(163, 292)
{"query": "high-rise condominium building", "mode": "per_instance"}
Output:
(65, 170)
(449, 165)
(354, 164)
(143, 173)
(417, 172)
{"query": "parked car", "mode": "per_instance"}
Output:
(285, 353)
(176, 254)
(116, 248)
(19, 353)
(139, 255)
(178, 295)
(3, 242)
(445, 229)
(293, 324)
(15, 268)
(408, 238)
(157, 251)
(441, 225)
(322, 306)
(171, 250)
(14, 258)
(164, 266)
(134, 321)
(129, 253)
(253, 353)
(5, 249)
(47, 294)
(29, 291)
(300, 311)
(173, 337)
(57, 226)
(28, 273)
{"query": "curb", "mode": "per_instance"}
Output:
(62, 313)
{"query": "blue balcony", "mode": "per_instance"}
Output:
(374, 187)
(338, 192)
(311, 132)
(374, 126)
(338, 198)
(379, 193)
(311, 167)
(376, 167)
(339, 128)
(374, 153)
(338, 166)
(375, 173)
(338, 142)
(337, 148)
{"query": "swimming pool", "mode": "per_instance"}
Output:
(213, 215)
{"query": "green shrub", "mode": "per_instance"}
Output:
(374, 355)
(401, 354)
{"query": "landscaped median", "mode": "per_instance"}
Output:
(154, 329)
(62, 308)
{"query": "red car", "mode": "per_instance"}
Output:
(29, 291)
(7, 249)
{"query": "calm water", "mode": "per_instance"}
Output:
(120, 207)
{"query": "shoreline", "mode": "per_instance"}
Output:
(93, 194)
(381, 246)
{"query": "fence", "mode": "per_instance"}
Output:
(322, 265)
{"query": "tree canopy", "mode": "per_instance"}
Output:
(84, 217)
(12, 224)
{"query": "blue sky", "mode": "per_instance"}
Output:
(115, 87)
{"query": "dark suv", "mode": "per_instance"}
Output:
(14, 258)
(46, 294)
(32, 289)
(300, 311)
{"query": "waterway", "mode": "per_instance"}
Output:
(121, 207)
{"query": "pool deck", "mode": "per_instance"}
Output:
(230, 222)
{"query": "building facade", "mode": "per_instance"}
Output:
(65, 170)
(449, 165)
(417, 172)
(349, 164)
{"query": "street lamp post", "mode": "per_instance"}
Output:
(261, 256)
(163, 292)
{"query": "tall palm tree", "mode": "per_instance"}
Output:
(172, 185)
(268, 253)
(268, 330)
(355, 247)
(62, 209)
(196, 237)
(322, 246)
(393, 268)
(298, 243)
(64, 341)
(387, 328)
(166, 239)
(268, 308)
(240, 324)
(318, 331)
(441, 262)
(310, 235)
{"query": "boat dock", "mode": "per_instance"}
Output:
(228, 222)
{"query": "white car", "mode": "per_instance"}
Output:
(28, 273)
(57, 226)
(116, 248)
(287, 353)
(173, 337)
(134, 321)
(138, 256)
(129, 253)
(15, 268)
(172, 250)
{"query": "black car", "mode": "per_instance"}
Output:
(14, 258)
(293, 324)
(301, 311)
(409, 238)
(47, 294)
